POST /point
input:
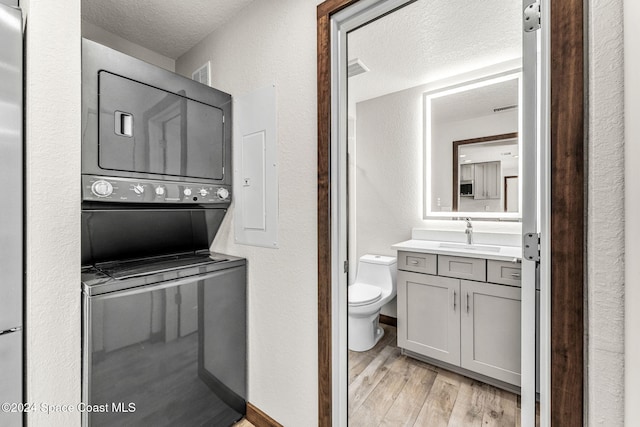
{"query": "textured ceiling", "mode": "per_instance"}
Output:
(170, 28)
(431, 40)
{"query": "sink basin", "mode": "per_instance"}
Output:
(464, 246)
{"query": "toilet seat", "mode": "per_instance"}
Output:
(361, 294)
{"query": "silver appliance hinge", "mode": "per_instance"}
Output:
(346, 266)
(531, 18)
(531, 246)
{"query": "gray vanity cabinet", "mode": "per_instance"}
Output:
(429, 315)
(490, 330)
(471, 324)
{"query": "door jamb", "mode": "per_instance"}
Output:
(567, 248)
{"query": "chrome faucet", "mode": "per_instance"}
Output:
(469, 231)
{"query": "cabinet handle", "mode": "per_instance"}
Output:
(515, 275)
(414, 262)
(454, 300)
(467, 302)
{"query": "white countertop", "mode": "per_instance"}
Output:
(500, 253)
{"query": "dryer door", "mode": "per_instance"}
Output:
(147, 130)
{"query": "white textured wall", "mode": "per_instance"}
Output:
(388, 171)
(605, 250)
(53, 208)
(275, 42)
(632, 209)
(114, 41)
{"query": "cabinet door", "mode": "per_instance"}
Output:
(490, 330)
(466, 172)
(492, 180)
(429, 315)
(479, 191)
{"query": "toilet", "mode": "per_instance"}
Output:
(375, 285)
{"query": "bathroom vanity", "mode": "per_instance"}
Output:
(459, 307)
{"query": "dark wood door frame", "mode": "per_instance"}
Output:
(456, 148)
(567, 211)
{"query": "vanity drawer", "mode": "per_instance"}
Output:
(417, 262)
(462, 267)
(504, 272)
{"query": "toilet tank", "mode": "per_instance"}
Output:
(377, 270)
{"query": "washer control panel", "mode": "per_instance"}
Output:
(126, 190)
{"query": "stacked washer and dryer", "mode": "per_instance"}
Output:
(164, 319)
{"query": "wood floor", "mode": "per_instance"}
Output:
(391, 390)
(243, 423)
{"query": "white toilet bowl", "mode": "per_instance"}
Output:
(375, 285)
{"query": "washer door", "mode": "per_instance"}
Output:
(168, 354)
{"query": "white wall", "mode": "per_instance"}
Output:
(388, 171)
(605, 237)
(632, 208)
(102, 36)
(53, 208)
(275, 42)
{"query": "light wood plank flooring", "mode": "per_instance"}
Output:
(243, 423)
(391, 390)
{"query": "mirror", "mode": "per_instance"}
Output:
(472, 150)
(430, 99)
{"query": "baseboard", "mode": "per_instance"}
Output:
(259, 419)
(388, 320)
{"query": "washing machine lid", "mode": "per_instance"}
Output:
(361, 294)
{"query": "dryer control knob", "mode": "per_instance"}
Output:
(203, 192)
(160, 191)
(102, 188)
(222, 193)
(187, 191)
(138, 189)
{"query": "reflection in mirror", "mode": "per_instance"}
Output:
(414, 358)
(474, 128)
(480, 167)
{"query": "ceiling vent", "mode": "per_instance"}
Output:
(356, 67)
(507, 108)
(203, 74)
